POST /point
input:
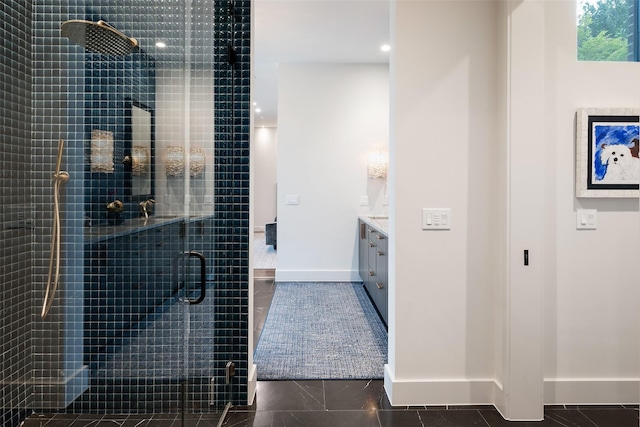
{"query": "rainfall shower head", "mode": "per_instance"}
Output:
(98, 37)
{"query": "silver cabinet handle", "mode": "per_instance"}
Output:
(371, 273)
(379, 285)
(380, 253)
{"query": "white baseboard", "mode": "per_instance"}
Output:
(439, 392)
(500, 400)
(592, 391)
(317, 276)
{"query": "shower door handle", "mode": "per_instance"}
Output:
(203, 275)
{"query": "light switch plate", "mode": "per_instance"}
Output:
(436, 219)
(291, 199)
(586, 219)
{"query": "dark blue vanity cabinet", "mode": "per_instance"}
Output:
(128, 276)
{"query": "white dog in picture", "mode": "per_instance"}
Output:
(621, 165)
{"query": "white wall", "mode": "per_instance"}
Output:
(458, 88)
(264, 158)
(591, 276)
(445, 145)
(451, 292)
(329, 116)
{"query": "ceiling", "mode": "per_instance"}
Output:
(312, 31)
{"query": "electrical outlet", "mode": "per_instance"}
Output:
(364, 200)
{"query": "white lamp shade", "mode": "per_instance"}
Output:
(197, 161)
(377, 162)
(101, 151)
(139, 160)
(174, 160)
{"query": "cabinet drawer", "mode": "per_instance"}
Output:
(372, 250)
(382, 242)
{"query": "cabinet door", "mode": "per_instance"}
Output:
(382, 274)
(372, 267)
(363, 251)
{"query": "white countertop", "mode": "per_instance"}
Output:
(381, 223)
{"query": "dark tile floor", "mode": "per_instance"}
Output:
(364, 403)
(349, 403)
(337, 403)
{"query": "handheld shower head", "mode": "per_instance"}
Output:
(98, 37)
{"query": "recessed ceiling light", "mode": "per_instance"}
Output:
(385, 48)
(258, 110)
(161, 44)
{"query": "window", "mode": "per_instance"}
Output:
(608, 30)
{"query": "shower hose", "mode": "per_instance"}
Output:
(53, 278)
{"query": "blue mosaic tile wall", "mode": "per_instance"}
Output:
(57, 374)
(15, 209)
(59, 89)
(112, 85)
(231, 225)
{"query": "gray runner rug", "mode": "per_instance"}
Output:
(321, 331)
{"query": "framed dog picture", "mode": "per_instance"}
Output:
(607, 159)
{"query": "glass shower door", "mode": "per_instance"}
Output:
(139, 126)
(159, 357)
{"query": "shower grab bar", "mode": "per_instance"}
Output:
(59, 178)
(203, 275)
